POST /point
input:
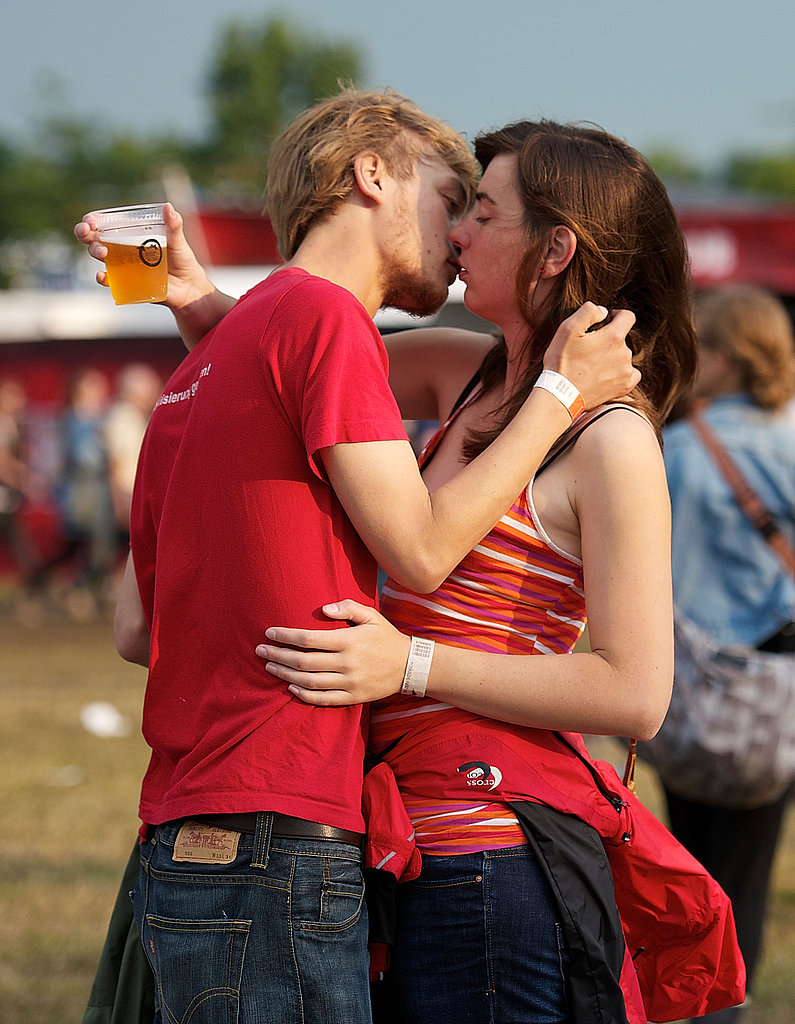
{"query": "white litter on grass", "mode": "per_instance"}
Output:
(66, 775)
(103, 719)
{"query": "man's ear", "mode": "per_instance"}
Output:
(561, 246)
(370, 173)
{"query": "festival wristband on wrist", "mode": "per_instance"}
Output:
(418, 667)
(563, 389)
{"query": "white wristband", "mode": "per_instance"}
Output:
(563, 389)
(415, 678)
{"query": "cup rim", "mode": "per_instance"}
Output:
(121, 216)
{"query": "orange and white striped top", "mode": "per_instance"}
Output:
(514, 593)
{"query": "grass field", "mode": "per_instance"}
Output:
(69, 799)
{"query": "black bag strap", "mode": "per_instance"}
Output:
(577, 428)
(570, 436)
(468, 389)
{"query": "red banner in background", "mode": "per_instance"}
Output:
(753, 245)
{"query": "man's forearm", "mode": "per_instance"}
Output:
(198, 318)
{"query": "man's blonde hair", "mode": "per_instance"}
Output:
(753, 327)
(310, 170)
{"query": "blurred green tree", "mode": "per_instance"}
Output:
(261, 77)
(71, 167)
(674, 166)
(771, 174)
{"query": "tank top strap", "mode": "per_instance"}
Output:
(581, 424)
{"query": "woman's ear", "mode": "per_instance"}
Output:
(369, 174)
(561, 246)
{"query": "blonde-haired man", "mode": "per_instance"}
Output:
(311, 161)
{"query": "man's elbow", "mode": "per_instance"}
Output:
(132, 641)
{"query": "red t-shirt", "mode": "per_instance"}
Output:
(235, 528)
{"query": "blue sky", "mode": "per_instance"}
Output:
(707, 76)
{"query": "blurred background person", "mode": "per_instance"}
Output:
(727, 580)
(14, 485)
(137, 389)
(84, 495)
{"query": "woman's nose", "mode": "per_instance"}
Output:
(458, 236)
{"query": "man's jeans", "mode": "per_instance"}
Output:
(277, 936)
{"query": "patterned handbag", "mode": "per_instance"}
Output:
(729, 736)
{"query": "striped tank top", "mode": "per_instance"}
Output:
(515, 593)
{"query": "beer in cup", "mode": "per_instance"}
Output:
(135, 237)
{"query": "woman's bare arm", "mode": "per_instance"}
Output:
(621, 687)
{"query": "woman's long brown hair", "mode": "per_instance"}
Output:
(630, 254)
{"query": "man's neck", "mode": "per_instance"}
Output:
(339, 252)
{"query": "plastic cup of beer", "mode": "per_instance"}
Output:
(136, 264)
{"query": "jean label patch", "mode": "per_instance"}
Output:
(205, 844)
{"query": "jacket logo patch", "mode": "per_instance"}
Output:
(480, 774)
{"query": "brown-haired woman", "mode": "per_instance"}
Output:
(563, 214)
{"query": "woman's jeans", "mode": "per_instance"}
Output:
(479, 940)
(277, 936)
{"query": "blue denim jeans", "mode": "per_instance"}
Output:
(479, 941)
(277, 936)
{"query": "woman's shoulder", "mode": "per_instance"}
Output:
(607, 432)
(611, 414)
(616, 431)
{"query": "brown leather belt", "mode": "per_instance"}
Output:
(283, 825)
